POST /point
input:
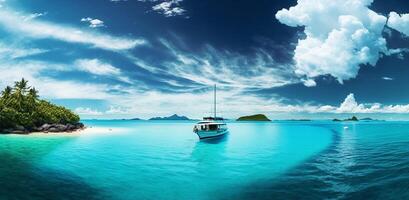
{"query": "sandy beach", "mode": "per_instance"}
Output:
(84, 131)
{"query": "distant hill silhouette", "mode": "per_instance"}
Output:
(345, 120)
(173, 117)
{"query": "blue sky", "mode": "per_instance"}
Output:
(143, 58)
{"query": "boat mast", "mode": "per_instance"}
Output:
(214, 101)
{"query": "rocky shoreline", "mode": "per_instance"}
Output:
(46, 128)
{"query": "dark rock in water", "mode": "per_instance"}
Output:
(36, 129)
(9, 130)
(19, 132)
(19, 128)
(61, 127)
(70, 127)
(53, 128)
(44, 127)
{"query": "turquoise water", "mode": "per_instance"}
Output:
(165, 160)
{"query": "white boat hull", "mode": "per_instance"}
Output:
(211, 134)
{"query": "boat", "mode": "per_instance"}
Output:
(211, 127)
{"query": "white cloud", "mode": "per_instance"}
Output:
(41, 29)
(340, 36)
(399, 22)
(33, 16)
(13, 52)
(309, 83)
(87, 111)
(98, 67)
(227, 69)
(95, 66)
(169, 8)
(230, 102)
(93, 23)
(350, 105)
(51, 88)
(117, 110)
(387, 78)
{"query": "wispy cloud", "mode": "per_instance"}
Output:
(98, 67)
(13, 52)
(49, 87)
(35, 28)
(226, 68)
(95, 66)
(87, 111)
(33, 16)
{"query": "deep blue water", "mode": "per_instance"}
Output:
(165, 160)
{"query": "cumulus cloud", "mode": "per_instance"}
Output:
(340, 35)
(350, 105)
(399, 22)
(93, 23)
(169, 8)
(309, 83)
(34, 28)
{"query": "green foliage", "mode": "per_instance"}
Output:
(20, 106)
(259, 117)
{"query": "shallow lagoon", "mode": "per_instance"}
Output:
(165, 160)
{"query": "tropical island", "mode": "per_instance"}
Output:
(258, 117)
(353, 118)
(22, 112)
(172, 117)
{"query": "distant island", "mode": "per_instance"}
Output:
(173, 117)
(258, 117)
(349, 119)
(22, 112)
(367, 119)
(135, 119)
(297, 120)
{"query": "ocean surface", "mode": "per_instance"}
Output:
(165, 160)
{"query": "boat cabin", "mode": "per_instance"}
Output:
(213, 119)
(210, 126)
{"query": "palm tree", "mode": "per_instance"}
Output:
(33, 93)
(21, 86)
(6, 93)
(20, 90)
